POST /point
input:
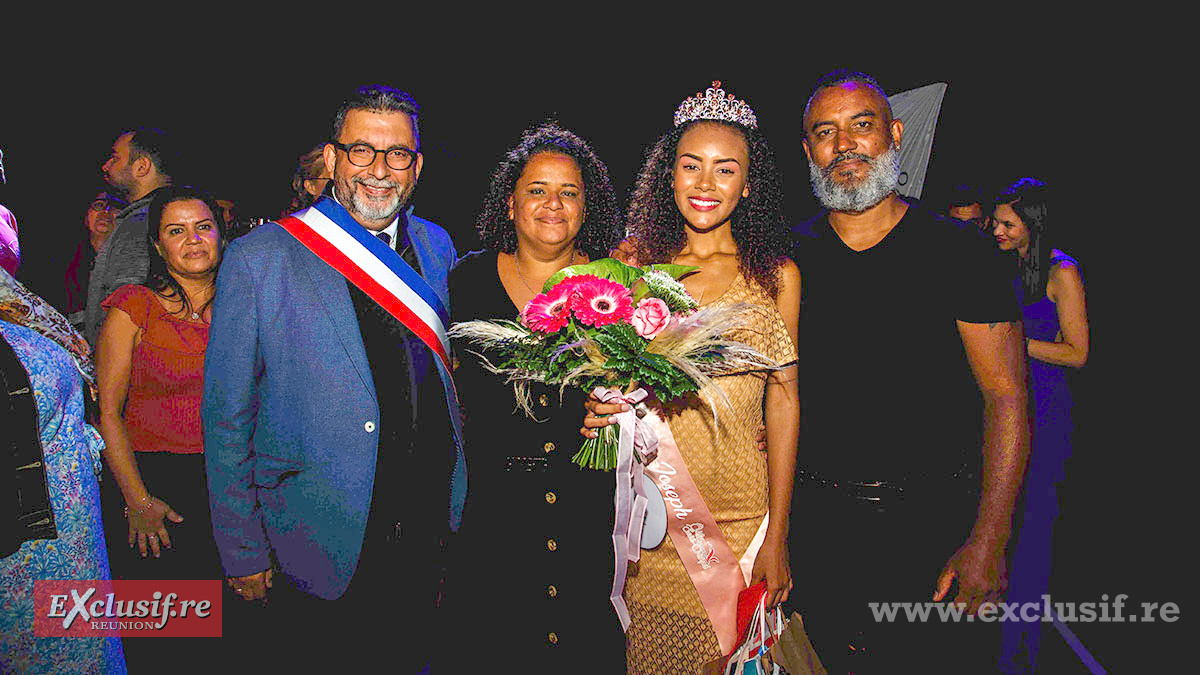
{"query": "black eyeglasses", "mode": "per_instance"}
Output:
(361, 154)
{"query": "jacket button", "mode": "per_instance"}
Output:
(551, 497)
(552, 544)
(552, 637)
(548, 447)
(552, 591)
(369, 427)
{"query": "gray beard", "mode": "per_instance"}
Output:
(855, 196)
(368, 208)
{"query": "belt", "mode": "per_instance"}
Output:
(888, 493)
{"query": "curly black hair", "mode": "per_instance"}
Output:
(758, 222)
(601, 228)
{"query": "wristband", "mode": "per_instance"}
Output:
(142, 505)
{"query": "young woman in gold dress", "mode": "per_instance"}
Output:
(709, 195)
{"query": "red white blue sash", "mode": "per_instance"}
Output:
(329, 231)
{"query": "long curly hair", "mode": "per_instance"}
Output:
(758, 222)
(159, 278)
(601, 228)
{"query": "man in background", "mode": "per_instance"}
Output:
(966, 204)
(140, 163)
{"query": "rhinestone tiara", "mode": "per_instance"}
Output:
(714, 104)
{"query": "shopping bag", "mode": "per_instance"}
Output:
(793, 652)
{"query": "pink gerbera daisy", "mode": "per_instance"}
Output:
(548, 312)
(599, 302)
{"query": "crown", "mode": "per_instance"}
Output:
(714, 104)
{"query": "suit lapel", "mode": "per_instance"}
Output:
(330, 287)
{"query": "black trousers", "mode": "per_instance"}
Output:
(847, 553)
(178, 480)
(384, 622)
(181, 482)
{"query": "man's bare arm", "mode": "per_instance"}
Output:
(997, 357)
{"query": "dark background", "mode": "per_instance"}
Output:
(1018, 103)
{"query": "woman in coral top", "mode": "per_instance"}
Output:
(150, 367)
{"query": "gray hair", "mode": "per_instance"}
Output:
(879, 182)
(378, 98)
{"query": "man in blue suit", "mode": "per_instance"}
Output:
(330, 422)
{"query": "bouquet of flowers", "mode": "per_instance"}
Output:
(608, 324)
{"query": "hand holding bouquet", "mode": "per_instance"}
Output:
(608, 324)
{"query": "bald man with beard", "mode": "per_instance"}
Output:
(914, 434)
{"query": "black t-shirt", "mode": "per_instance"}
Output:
(886, 389)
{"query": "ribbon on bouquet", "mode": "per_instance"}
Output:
(716, 573)
(630, 497)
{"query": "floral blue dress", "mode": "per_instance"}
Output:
(71, 450)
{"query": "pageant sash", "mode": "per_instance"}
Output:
(328, 230)
(710, 563)
(715, 571)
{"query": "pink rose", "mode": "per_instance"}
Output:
(650, 317)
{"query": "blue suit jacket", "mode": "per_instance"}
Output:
(290, 413)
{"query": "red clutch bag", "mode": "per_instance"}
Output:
(746, 604)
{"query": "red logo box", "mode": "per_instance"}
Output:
(127, 608)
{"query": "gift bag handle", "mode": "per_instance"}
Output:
(742, 654)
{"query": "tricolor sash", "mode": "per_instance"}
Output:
(332, 234)
(328, 230)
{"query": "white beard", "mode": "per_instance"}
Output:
(372, 209)
(880, 180)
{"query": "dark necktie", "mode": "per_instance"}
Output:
(406, 254)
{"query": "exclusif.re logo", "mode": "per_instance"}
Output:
(128, 608)
(111, 608)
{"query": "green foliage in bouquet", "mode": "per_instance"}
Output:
(608, 324)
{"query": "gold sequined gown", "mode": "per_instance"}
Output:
(669, 631)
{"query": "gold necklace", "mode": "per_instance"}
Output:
(517, 264)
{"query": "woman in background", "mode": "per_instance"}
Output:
(1056, 330)
(150, 360)
(98, 222)
(43, 358)
(309, 179)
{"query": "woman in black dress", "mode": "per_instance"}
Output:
(531, 569)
